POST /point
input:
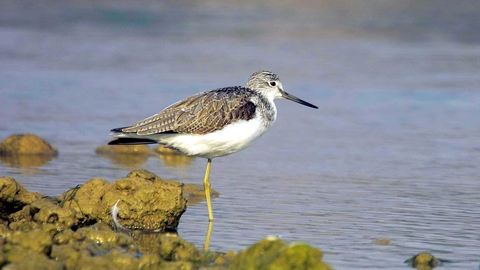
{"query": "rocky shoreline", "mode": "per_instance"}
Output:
(76, 230)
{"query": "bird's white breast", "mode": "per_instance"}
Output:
(232, 138)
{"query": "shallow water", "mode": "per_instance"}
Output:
(393, 151)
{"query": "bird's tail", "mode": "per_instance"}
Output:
(119, 141)
(128, 138)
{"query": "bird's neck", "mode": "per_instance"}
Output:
(269, 110)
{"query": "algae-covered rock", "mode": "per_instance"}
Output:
(24, 225)
(272, 253)
(147, 175)
(13, 193)
(105, 237)
(13, 197)
(300, 255)
(3, 260)
(165, 203)
(424, 261)
(36, 240)
(43, 213)
(23, 214)
(73, 232)
(224, 260)
(150, 261)
(19, 257)
(260, 255)
(4, 232)
(46, 211)
(193, 193)
(68, 236)
(28, 250)
(26, 144)
(145, 204)
(23, 207)
(114, 260)
(76, 248)
(169, 246)
(78, 198)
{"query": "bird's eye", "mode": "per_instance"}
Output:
(272, 83)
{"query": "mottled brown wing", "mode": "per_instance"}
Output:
(200, 114)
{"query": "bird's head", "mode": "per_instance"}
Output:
(268, 84)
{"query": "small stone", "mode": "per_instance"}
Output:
(26, 144)
(424, 261)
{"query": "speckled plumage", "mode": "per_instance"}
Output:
(212, 124)
(202, 113)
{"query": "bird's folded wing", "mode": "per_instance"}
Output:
(200, 114)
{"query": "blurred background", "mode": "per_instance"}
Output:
(392, 153)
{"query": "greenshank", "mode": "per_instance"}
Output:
(214, 123)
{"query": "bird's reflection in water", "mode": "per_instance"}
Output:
(206, 245)
(172, 158)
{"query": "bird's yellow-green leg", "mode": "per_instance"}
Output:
(206, 185)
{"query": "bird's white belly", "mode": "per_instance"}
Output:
(230, 139)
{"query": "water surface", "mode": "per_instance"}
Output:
(393, 151)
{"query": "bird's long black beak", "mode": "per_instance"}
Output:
(294, 98)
